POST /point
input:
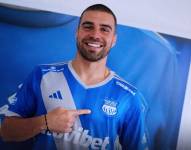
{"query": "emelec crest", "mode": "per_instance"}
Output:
(109, 107)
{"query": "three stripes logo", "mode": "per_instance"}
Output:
(56, 95)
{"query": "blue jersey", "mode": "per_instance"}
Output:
(117, 109)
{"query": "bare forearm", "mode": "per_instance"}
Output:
(20, 129)
(58, 120)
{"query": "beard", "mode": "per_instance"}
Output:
(90, 55)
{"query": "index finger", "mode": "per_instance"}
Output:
(83, 111)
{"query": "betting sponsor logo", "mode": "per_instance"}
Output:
(109, 107)
(80, 136)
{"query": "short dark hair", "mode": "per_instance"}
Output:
(99, 7)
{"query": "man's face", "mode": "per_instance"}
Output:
(95, 35)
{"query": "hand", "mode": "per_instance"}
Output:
(62, 120)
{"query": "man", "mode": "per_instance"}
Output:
(80, 104)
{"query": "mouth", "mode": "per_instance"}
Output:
(94, 44)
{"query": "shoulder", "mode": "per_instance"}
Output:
(40, 70)
(136, 97)
(53, 67)
(124, 85)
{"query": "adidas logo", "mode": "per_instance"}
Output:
(56, 95)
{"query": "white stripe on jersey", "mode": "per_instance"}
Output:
(51, 82)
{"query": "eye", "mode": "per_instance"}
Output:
(87, 27)
(105, 29)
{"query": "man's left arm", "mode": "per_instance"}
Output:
(134, 134)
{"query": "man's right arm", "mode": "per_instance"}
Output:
(20, 129)
(59, 120)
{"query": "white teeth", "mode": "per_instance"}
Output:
(94, 45)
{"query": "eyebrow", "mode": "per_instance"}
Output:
(91, 23)
(87, 22)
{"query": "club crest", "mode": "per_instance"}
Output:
(109, 107)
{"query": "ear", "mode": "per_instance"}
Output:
(114, 40)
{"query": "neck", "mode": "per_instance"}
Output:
(90, 72)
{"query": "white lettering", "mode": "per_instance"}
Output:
(81, 137)
(96, 143)
(85, 139)
(125, 87)
(105, 143)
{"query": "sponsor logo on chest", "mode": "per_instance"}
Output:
(81, 138)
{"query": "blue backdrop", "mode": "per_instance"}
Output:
(157, 64)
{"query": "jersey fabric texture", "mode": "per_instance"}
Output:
(117, 109)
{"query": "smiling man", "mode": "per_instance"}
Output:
(80, 104)
(96, 35)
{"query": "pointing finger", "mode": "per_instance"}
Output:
(83, 111)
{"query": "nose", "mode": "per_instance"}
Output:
(95, 33)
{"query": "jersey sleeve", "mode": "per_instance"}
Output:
(22, 102)
(134, 133)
